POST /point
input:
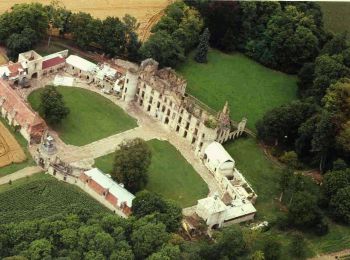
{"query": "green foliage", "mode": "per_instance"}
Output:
(131, 163)
(203, 46)
(340, 205)
(148, 203)
(52, 106)
(280, 125)
(22, 42)
(272, 248)
(87, 110)
(21, 17)
(291, 159)
(174, 35)
(181, 183)
(148, 238)
(229, 244)
(303, 210)
(163, 48)
(297, 246)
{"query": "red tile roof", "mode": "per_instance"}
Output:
(25, 115)
(13, 68)
(53, 62)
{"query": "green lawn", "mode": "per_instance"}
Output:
(250, 88)
(92, 116)
(24, 144)
(336, 16)
(41, 196)
(259, 172)
(169, 175)
(263, 175)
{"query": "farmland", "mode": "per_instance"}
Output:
(336, 16)
(146, 12)
(42, 196)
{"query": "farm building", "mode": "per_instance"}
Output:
(113, 192)
(216, 214)
(80, 67)
(18, 113)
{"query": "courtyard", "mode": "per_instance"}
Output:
(250, 88)
(169, 174)
(92, 116)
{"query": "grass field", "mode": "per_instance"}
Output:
(42, 196)
(92, 116)
(250, 88)
(264, 177)
(169, 175)
(23, 143)
(336, 16)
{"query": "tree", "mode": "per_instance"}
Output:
(85, 29)
(168, 252)
(340, 205)
(166, 211)
(272, 249)
(148, 238)
(229, 244)
(22, 42)
(323, 138)
(297, 246)
(113, 36)
(163, 48)
(52, 106)
(280, 125)
(290, 159)
(334, 181)
(39, 249)
(303, 210)
(131, 162)
(202, 49)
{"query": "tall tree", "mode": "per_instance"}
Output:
(52, 106)
(203, 47)
(131, 162)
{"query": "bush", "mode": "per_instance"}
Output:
(291, 159)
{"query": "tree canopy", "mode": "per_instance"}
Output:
(131, 162)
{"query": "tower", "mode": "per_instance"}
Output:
(130, 85)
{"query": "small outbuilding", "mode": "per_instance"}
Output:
(218, 160)
(113, 192)
(80, 67)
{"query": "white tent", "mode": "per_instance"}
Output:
(63, 81)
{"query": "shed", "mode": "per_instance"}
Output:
(115, 189)
(80, 63)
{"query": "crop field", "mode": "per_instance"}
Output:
(25, 160)
(42, 196)
(169, 174)
(92, 116)
(336, 16)
(147, 12)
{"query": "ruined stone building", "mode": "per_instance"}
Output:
(162, 95)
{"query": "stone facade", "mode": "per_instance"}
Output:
(162, 95)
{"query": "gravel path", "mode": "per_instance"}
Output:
(28, 171)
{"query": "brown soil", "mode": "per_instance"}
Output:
(10, 150)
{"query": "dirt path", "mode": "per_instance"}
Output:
(344, 254)
(28, 171)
